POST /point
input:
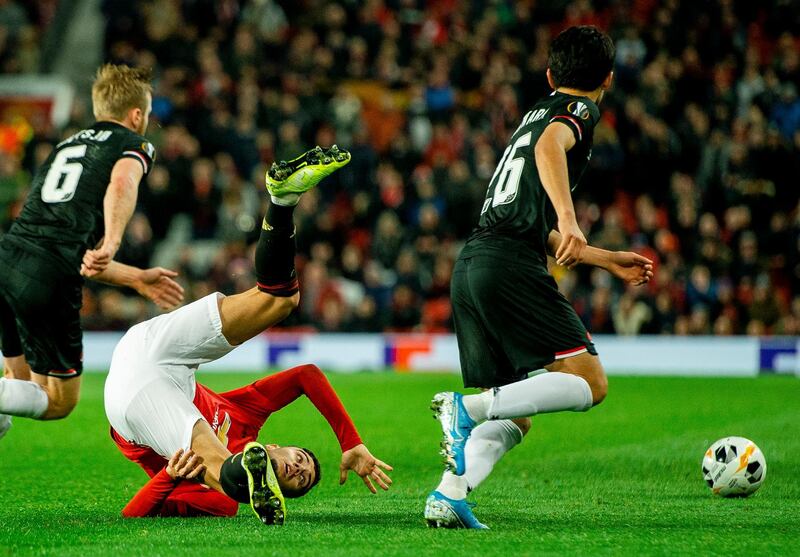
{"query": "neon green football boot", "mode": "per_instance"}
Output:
(266, 498)
(285, 179)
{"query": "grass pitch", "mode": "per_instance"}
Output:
(622, 479)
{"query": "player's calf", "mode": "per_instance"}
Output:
(44, 398)
(62, 394)
(590, 369)
(252, 312)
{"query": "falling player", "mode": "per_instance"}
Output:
(510, 318)
(236, 417)
(151, 394)
(72, 225)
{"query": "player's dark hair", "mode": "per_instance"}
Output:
(581, 58)
(309, 487)
(317, 470)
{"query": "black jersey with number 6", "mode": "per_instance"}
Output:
(64, 210)
(517, 208)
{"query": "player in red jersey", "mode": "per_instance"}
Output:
(151, 390)
(236, 417)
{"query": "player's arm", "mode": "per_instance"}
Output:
(625, 265)
(155, 284)
(150, 499)
(193, 499)
(355, 455)
(283, 388)
(118, 205)
(551, 162)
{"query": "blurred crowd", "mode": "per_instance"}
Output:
(695, 162)
(21, 28)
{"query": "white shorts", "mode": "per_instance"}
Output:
(150, 388)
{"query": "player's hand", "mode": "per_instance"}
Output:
(96, 260)
(360, 460)
(631, 267)
(158, 286)
(185, 465)
(572, 243)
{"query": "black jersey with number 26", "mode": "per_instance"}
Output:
(517, 208)
(64, 210)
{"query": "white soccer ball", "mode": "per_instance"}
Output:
(734, 467)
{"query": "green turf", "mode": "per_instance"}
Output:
(622, 479)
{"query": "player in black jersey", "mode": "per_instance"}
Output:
(510, 318)
(71, 227)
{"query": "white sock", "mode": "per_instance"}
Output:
(452, 486)
(286, 200)
(486, 446)
(22, 398)
(546, 392)
(477, 406)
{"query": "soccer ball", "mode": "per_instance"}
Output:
(734, 467)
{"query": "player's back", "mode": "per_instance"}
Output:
(517, 216)
(63, 214)
(235, 417)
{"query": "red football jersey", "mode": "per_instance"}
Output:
(236, 417)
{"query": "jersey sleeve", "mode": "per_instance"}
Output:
(138, 148)
(150, 461)
(161, 496)
(192, 499)
(149, 500)
(578, 116)
(270, 394)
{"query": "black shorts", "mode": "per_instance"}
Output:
(40, 311)
(510, 319)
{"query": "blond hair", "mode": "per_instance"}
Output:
(117, 89)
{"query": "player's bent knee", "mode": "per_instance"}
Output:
(599, 387)
(524, 425)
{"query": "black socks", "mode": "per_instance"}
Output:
(274, 259)
(233, 479)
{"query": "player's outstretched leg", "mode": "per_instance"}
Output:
(266, 498)
(250, 313)
(448, 409)
(443, 512)
(286, 181)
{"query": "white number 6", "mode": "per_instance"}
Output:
(56, 191)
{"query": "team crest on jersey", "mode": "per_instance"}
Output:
(148, 148)
(579, 109)
(221, 428)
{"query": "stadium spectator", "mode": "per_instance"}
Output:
(696, 156)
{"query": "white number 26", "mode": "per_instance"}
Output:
(508, 173)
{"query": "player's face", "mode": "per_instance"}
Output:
(293, 467)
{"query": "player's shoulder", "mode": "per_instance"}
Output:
(582, 108)
(131, 139)
(580, 114)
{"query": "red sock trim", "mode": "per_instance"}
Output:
(284, 289)
(62, 373)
